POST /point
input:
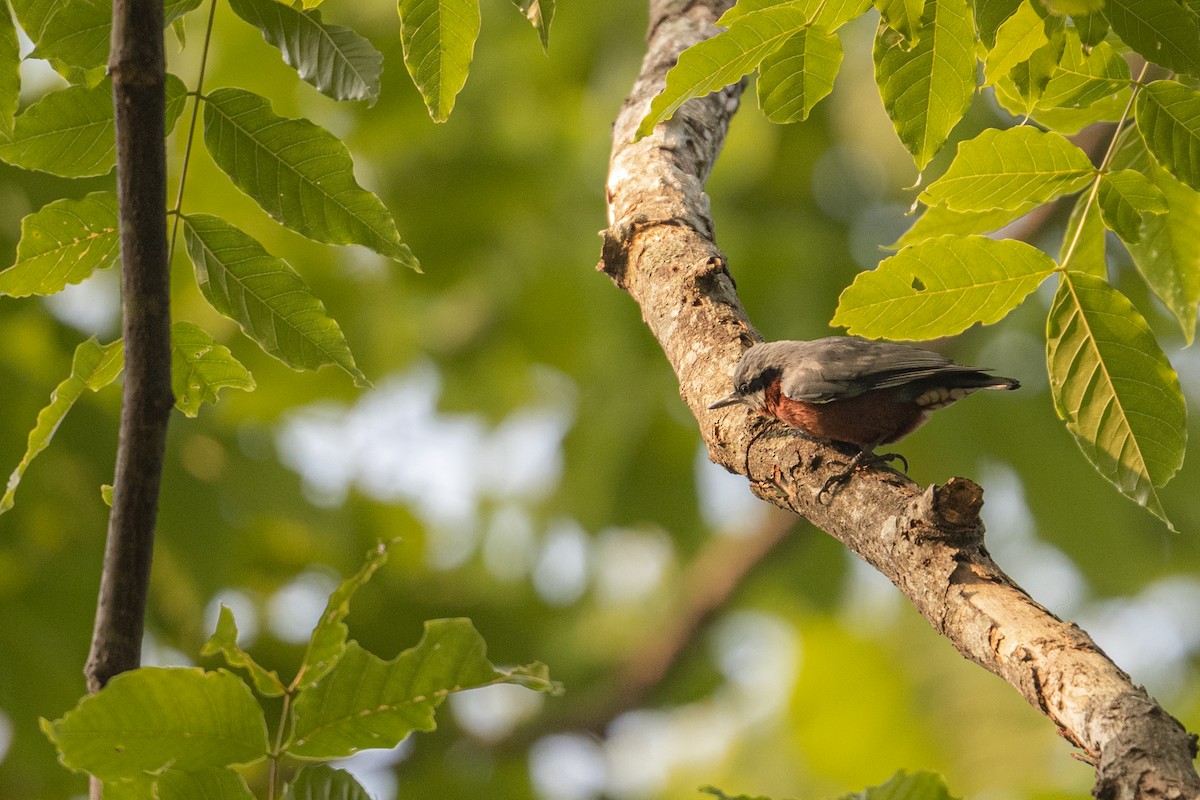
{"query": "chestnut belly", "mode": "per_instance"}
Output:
(866, 420)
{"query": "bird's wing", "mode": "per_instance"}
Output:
(841, 367)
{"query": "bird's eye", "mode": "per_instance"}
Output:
(743, 388)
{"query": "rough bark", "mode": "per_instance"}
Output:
(659, 247)
(139, 80)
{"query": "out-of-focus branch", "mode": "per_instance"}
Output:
(139, 80)
(659, 247)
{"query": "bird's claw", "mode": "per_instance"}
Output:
(862, 461)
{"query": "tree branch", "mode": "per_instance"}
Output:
(139, 80)
(659, 247)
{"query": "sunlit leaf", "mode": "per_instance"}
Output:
(93, 367)
(1168, 117)
(210, 783)
(1115, 388)
(322, 782)
(328, 641)
(1093, 27)
(990, 15)
(902, 16)
(155, 717)
(829, 14)
(63, 242)
(200, 368)
(1008, 169)
(1167, 256)
(10, 75)
(540, 14)
(926, 88)
(298, 172)
(938, 221)
(1125, 196)
(1162, 31)
(800, 73)
(224, 641)
(438, 37)
(264, 295)
(1016, 40)
(906, 786)
(941, 287)
(1086, 244)
(70, 132)
(333, 58)
(366, 702)
(724, 59)
(1066, 121)
(1031, 76)
(1082, 79)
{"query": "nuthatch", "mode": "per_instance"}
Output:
(847, 389)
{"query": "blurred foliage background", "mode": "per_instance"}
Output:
(526, 442)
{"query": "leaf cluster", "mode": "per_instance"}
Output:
(1058, 67)
(178, 732)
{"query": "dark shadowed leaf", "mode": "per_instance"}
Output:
(1162, 31)
(333, 58)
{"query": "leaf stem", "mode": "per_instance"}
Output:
(187, 149)
(1104, 163)
(273, 769)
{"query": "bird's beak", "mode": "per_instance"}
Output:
(733, 398)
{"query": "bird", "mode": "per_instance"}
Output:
(857, 391)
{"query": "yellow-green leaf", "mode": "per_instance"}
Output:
(941, 287)
(63, 242)
(1016, 40)
(1168, 117)
(799, 74)
(1125, 196)
(1115, 388)
(200, 368)
(438, 37)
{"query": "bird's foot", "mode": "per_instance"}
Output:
(863, 460)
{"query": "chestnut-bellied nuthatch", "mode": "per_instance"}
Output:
(852, 390)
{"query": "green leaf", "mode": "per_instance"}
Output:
(328, 640)
(1062, 120)
(1080, 79)
(799, 74)
(938, 221)
(926, 88)
(724, 59)
(322, 782)
(366, 702)
(1092, 27)
(224, 641)
(906, 786)
(264, 295)
(64, 242)
(67, 133)
(1008, 169)
(1168, 117)
(1124, 197)
(829, 14)
(902, 16)
(154, 717)
(941, 287)
(1021, 34)
(210, 783)
(70, 132)
(438, 37)
(1167, 256)
(1088, 253)
(200, 368)
(540, 14)
(10, 75)
(1063, 8)
(298, 172)
(1162, 31)
(74, 35)
(335, 59)
(990, 15)
(94, 366)
(720, 795)
(1114, 387)
(1032, 75)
